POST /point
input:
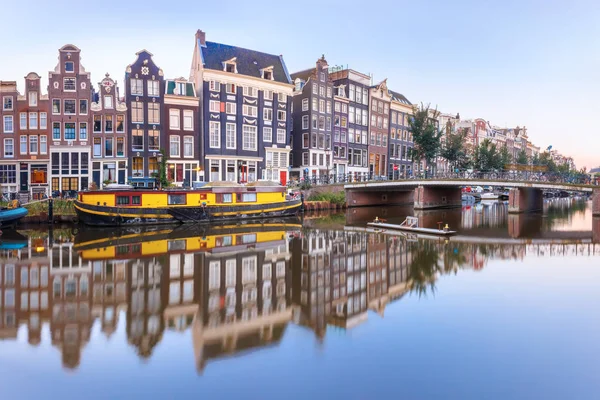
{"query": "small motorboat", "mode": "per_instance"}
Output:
(489, 196)
(10, 216)
(467, 198)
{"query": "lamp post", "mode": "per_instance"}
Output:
(159, 160)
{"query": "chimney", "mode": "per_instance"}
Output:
(201, 36)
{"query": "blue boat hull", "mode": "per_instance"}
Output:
(11, 216)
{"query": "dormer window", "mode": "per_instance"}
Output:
(230, 66)
(69, 66)
(179, 88)
(299, 84)
(341, 91)
(267, 73)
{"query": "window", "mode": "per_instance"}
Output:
(55, 106)
(268, 114)
(305, 122)
(249, 111)
(23, 148)
(97, 123)
(8, 103)
(43, 145)
(8, 124)
(176, 199)
(315, 121)
(9, 150)
(137, 166)
(322, 106)
(120, 123)
(214, 86)
(152, 166)
(188, 146)
(282, 97)
(280, 135)
(321, 122)
(304, 104)
(328, 125)
(188, 120)
(137, 140)
(174, 145)
(249, 137)
(230, 132)
(250, 91)
(214, 135)
(69, 84)
(69, 130)
(248, 197)
(153, 88)
(174, 118)
(108, 147)
(137, 87)
(315, 104)
(268, 94)
(267, 134)
(33, 121)
(120, 147)
(214, 106)
(281, 115)
(122, 200)
(97, 149)
(82, 131)
(23, 121)
(153, 140)
(329, 107)
(305, 158)
(56, 130)
(108, 102)
(43, 120)
(108, 123)
(230, 88)
(305, 141)
(230, 108)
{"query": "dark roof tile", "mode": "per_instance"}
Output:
(399, 97)
(248, 62)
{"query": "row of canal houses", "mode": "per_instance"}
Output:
(240, 117)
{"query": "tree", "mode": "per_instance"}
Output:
(505, 157)
(454, 150)
(426, 136)
(535, 160)
(522, 157)
(546, 160)
(162, 170)
(487, 157)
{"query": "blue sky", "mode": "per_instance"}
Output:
(526, 63)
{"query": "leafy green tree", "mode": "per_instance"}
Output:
(487, 157)
(454, 150)
(162, 170)
(522, 157)
(546, 160)
(505, 157)
(535, 160)
(426, 136)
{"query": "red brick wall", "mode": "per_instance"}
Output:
(437, 197)
(596, 202)
(377, 198)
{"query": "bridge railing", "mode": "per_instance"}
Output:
(523, 176)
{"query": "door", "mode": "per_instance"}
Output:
(283, 177)
(121, 179)
(24, 181)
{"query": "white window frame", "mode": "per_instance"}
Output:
(230, 133)
(305, 104)
(249, 111)
(246, 144)
(305, 122)
(267, 114)
(230, 108)
(23, 120)
(22, 142)
(174, 123)
(188, 120)
(267, 134)
(43, 144)
(12, 143)
(214, 133)
(33, 120)
(172, 140)
(281, 135)
(153, 88)
(214, 86)
(12, 124)
(188, 140)
(139, 87)
(44, 119)
(281, 115)
(214, 106)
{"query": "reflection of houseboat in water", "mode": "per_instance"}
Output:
(211, 203)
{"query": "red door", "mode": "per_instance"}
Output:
(283, 177)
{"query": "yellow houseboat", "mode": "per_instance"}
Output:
(124, 205)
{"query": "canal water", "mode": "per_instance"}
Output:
(316, 308)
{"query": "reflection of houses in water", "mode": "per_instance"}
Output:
(330, 283)
(24, 297)
(377, 267)
(71, 320)
(182, 280)
(144, 320)
(109, 292)
(245, 292)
